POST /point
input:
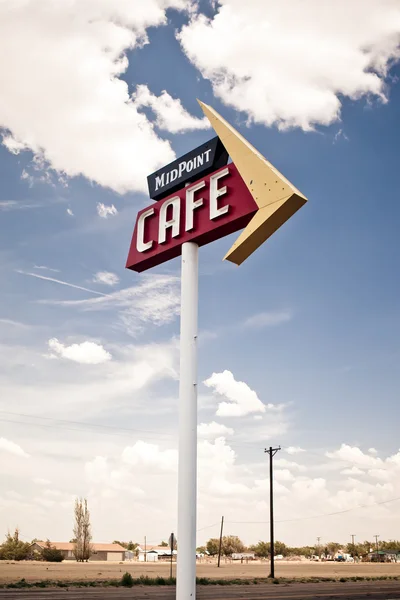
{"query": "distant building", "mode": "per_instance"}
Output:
(243, 556)
(108, 552)
(155, 553)
(384, 556)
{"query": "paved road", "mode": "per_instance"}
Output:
(372, 590)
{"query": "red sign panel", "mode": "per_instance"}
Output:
(202, 212)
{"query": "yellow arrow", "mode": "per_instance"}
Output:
(276, 198)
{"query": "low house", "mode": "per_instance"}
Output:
(243, 556)
(384, 556)
(155, 553)
(108, 552)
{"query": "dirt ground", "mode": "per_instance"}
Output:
(69, 571)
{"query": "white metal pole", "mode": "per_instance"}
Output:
(187, 471)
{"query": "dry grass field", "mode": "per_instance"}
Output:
(72, 571)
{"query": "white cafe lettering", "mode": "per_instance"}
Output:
(182, 168)
(173, 221)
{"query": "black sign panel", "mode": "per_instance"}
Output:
(199, 162)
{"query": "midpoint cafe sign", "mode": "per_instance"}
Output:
(200, 198)
(199, 162)
(201, 212)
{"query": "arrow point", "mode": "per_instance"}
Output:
(276, 198)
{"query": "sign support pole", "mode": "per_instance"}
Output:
(187, 471)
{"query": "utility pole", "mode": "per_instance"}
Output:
(318, 547)
(145, 549)
(352, 538)
(377, 543)
(271, 451)
(172, 554)
(220, 542)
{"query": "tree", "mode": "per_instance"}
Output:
(332, 548)
(262, 549)
(232, 544)
(51, 554)
(213, 546)
(390, 545)
(306, 551)
(280, 548)
(131, 545)
(164, 544)
(13, 548)
(201, 550)
(82, 531)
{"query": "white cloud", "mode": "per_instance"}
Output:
(69, 212)
(14, 323)
(86, 353)
(7, 205)
(373, 451)
(171, 116)
(283, 475)
(291, 63)
(267, 319)
(105, 211)
(352, 471)
(355, 456)
(156, 300)
(214, 429)
(43, 267)
(106, 278)
(150, 455)
(294, 450)
(283, 462)
(12, 448)
(382, 474)
(340, 134)
(41, 481)
(78, 117)
(242, 400)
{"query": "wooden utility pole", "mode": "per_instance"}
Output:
(172, 554)
(220, 541)
(271, 451)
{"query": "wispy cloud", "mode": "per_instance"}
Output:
(106, 278)
(155, 300)
(268, 319)
(105, 211)
(12, 448)
(43, 267)
(77, 287)
(13, 323)
(6, 205)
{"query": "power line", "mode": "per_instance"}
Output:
(88, 427)
(207, 527)
(339, 512)
(128, 429)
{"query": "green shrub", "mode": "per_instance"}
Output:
(127, 580)
(51, 554)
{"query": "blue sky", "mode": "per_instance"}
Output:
(309, 324)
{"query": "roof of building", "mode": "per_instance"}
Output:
(96, 547)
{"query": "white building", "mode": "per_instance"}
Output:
(155, 553)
